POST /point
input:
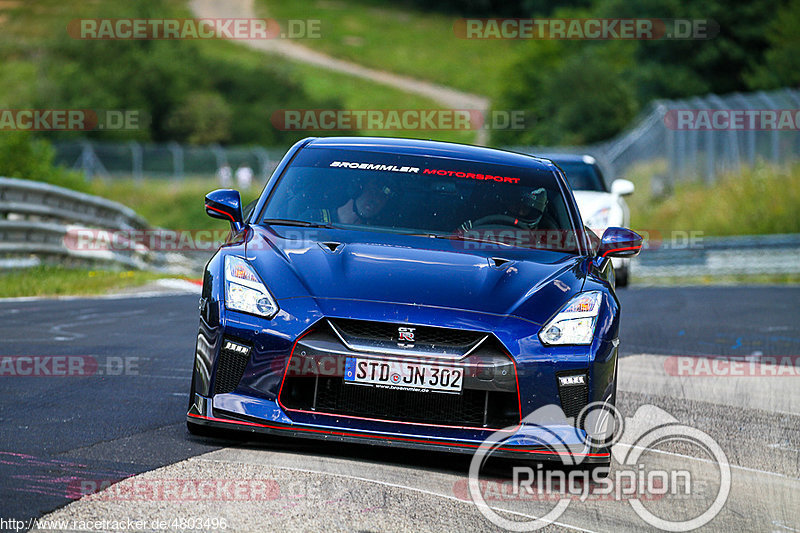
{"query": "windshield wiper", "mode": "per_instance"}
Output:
(455, 237)
(299, 223)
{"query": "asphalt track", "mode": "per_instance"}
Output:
(62, 434)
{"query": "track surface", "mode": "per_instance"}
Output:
(58, 431)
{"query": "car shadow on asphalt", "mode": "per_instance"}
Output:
(457, 464)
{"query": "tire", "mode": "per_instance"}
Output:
(591, 470)
(194, 429)
(600, 470)
(191, 392)
(197, 429)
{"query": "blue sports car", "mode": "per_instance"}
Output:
(407, 293)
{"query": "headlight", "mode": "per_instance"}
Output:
(574, 324)
(599, 220)
(244, 291)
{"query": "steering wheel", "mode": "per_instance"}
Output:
(504, 220)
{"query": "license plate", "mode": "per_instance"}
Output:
(404, 375)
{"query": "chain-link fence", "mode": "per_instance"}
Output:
(703, 137)
(695, 138)
(171, 160)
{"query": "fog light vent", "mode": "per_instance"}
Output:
(573, 390)
(233, 357)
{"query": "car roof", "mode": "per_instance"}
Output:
(420, 147)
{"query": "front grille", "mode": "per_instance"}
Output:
(230, 368)
(470, 408)
(363, 334)
(573, 398)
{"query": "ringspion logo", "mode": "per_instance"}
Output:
(637, 477)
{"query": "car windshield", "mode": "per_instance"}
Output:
(431, 196)
(582, 176)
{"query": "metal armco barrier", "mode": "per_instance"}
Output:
(35, 218)
(718, 256)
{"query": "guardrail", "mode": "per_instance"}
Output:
(36, 217)
(27, 199)
(718, 256)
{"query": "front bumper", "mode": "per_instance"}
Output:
(252, 400)
(563, 443)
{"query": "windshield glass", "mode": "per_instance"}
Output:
(583, 176)
(423, 195)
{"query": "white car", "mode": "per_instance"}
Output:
(600, 206)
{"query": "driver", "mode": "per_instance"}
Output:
(526, 212)
(361, 209)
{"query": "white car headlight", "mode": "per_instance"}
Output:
(244, 291)
(575, 323)
(599, 220)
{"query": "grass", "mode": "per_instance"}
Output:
(166, 204)
(60, 281)
(28, 28)
(352, 92)
(400, 40)
(755, 201)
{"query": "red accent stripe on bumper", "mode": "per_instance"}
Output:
(371, 436)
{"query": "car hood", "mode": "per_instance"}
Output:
(393, 269)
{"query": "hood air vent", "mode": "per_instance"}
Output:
(499, 263)
(330, 246)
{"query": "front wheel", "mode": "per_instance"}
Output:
(600, 471)
(191, 393)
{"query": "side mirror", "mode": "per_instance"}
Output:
(619, 242)
(622, 187)
(227, 205)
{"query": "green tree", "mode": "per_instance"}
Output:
(781, 64)
(23, 156)
(203, 118)
(570, 94)
(189, 91)
(677, 68)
